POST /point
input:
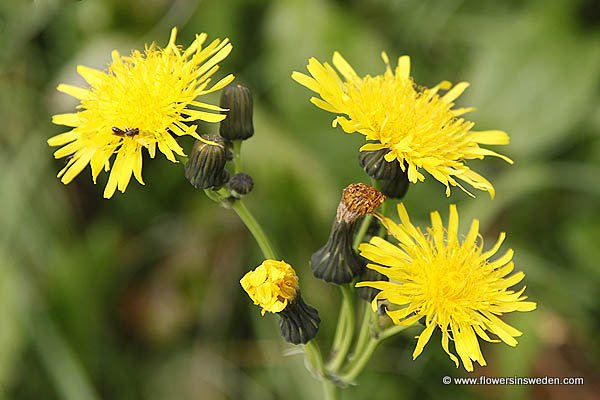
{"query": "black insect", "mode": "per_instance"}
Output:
(128, 132)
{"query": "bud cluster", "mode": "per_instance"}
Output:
(206, 168)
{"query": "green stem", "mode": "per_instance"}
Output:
(358, 364)
(365, 330)
(340, 328)
(391, 331)
(254, 227)
(311, 349)
(362, 231)
(313, 354)
(340, 352)
(355, 367)
(237, 156)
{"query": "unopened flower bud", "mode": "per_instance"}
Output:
(299, 322)
(240, 184)
(394, 188)
(337, 262)
(375, 165)
(206, 165)
(273, 285)
(238, 124)
(391, 179)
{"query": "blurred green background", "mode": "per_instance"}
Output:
(138, 297)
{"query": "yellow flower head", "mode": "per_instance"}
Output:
(272, 285)
(418, 125)
(452, 285)
(141, 101)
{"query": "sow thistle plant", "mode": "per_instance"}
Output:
(430, 277)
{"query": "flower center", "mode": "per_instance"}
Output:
(453, 281)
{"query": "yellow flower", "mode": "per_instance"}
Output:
(141, 101)
(272, 285)
(452, 285)
(418, 126)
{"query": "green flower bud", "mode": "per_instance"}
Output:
(394, 188)
(240, 184)
(206, 165)
(337, 262)
(375, 165)
(238, 124)
(299, 322)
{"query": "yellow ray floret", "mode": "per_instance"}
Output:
(144, 100)
(419, 126)
(451, 284)
(272, 285)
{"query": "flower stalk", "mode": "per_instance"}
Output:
(344, 330)
(254, 227)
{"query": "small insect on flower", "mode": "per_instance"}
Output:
(139, 103)
(128, 132)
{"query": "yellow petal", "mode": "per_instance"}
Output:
(63, 138)
(172, 37)
(455, 92)
(203, 116)
(403, 69)
(306, 81)
(490, 137)
(453, 224)
(91, 75)
(81, 160)
(323, 104)
(342, 65)
(423, 339)
(68, 119)
(77, 92)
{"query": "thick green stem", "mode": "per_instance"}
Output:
(346, 326)
(365, 330)
(311, 349)
(314, 357)
(358, 363)
(340, 328)
(237, 156)
(362, 231)
(391, 331)
(254, 227)
(355, 367)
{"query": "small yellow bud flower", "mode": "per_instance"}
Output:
(272, 285)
